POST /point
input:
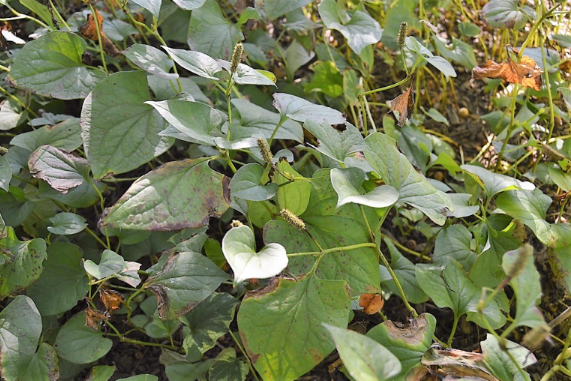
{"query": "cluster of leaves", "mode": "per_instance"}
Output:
(165, 262)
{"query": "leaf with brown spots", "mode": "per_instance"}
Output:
(112, 300)
(402, 105)
(89, 30)
(525, 72)
(371, 303)
(93, 317)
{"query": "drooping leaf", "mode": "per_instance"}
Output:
(255, 120)
(402, 106)
(407, 343)
(438, 62)
(347, 182)
(494, 183)
(119, 131)
(63, 171)
(358, 28)
(208, 321)
(63, 281)
(530, 207)
(57, 70)
(67, 224)
(526, 285)
(24, 263)
(185, 280)
(459, 52)
(177, 195)
(153, 6)
(20, 330)
(196, 62)
(336, 145)
(210, 32)
(151, 60)
(79, 344)
(295, 57)
(246, 184)
(281, 325)
(526, 72)
(227, 367)
(65, 135)
(238, 248)
(301, 110)
(504, 14)
(331, 227)
(396, 171)
(365, 358)
(246, 75)
(197, 122)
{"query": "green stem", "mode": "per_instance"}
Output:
(334, 249)
(282, 121)
(244, 354)
(386, 87)
(453, 331)
(510, 127)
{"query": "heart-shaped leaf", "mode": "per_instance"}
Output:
(196, 62)
(504, 14)
(494, 183)
(346, 183)
(67, 224)
(238, 248)
(334, 144)
(301, 110)
(79, 344)
(151, 60)
(246, 184)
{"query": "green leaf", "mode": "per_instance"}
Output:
(208, 321)
(301, 110)
(140, 377)
(197, 122)
(414, 189)
(79, 197)
(487, 269)
(246, 75)
(65, 136)
(183, 371)
(526, 285)
(257, 121)
(151, 60)
(499, 358)
(438, 62)
(276, 8)
(560, 178)
(459, 52)
(347, 183)
(177, 195)
(185, 280)
(110, 265)
(63, 171)
(365, 358)
(57, 69)
(408, 343)
(292, 195)
(336, 145)
(494, 183)
(24, 263)
(404, 270)
(43, 365)
(295, 57)
(282, 325)
(454, 242)
(238, 246)
(530, 207)
(39, 9)
(79, 344)
(332, 228)
(120, 132)
(63, 281)
(10, 115)
(246, 184)
(468, 29)
(196, 62)
(20, 330)
(67, 224)
(248, 14)
(210, 33)
(5, 174)
(327, 79)
(189, 4)
(437, 116)
(357, 27)
(153, 6)
(504, 14)
(101, 372)
(227, 367)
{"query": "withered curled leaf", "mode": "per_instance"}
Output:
(93, 317)
(89, 30)
(403, 105)
(371, 303)
(525, 72)
(112, 300)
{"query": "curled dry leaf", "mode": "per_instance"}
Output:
(403, 105)
(457, 363)
(112, 300)
(525, 72)
(93, 317)
(89, 30)
(371, 303)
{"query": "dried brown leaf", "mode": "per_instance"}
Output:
(371, 303)
(403, 105)
(525, 72)
(89, 30)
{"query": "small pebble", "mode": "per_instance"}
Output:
(463, 112)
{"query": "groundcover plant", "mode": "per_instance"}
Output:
(281, 190)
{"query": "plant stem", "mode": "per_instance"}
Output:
(334, 249)
(453, 330)
(245, 355)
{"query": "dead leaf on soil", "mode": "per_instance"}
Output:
(371, 303)
(89, 30)
(112, 300)
(402, 106)
(457, 363)
(93, 317)
(525, 72)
